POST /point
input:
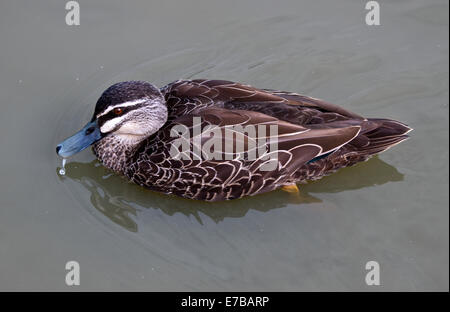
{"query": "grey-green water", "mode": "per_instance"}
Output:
(391, 209)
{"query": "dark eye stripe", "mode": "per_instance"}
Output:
(111, 115)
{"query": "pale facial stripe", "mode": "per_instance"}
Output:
(124, 104)
(111, 124)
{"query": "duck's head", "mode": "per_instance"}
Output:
(131, 111)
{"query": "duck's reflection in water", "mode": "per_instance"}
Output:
(120, 200)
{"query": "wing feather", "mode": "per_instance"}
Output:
(289, 137)
(283, 105)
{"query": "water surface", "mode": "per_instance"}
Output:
(392, 209)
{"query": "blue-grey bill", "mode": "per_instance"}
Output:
(80, 140)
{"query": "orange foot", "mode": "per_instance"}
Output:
(297, 197)
(291, 188)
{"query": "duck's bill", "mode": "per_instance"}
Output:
(80, 140)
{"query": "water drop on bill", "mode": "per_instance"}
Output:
(62, 171)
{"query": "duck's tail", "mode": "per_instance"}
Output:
(378, 135)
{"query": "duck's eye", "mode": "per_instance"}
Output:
(118, 111)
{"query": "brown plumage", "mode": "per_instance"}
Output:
(314, 138)
(225, 103)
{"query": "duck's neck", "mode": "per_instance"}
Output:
(114, 151)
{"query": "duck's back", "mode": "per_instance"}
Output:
(316, 139)
(377, 134)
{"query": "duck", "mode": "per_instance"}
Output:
(132, 133)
